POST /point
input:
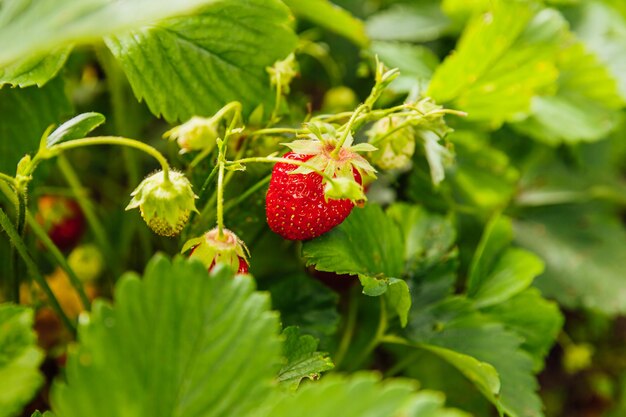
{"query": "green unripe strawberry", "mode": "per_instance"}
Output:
(198, 133)
(211, 249)
(165, 204)
(395, 140)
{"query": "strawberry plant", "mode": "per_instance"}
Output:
(391, 208)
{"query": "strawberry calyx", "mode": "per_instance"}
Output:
(338, 167)
(211, 249)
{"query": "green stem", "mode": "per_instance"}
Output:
(380, 333)
(279, 95)
(403, 363)
(347, 130)
(19, 245)
(273, 160)
(220, 201)
(273, 130)
(20, 211)
(242, 197)
(59, 258)
(7, 178)
(116, 140)
(86, 207)
(348, 333)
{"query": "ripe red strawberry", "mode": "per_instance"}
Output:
(295, 203)
(62, 218)
(302, 204)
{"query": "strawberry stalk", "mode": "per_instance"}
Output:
(7, 178)
(273, 160)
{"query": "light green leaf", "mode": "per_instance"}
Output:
(496, 238)
(415, 62)
(408, 22)
(19, 359)
(603, 29)
(534, 318)
(178, 340)
(332, 17)
(456, 325)
(303, 360)
(480, 373)
(366, 243)
(503, 59)
(357, 396)
(373, 286)
(195, 65)
(584, 248)
(398, 298)
(75, 128)
(586, 105)
(32, 28)
(26, 115)
(35, 70)
(513, 273)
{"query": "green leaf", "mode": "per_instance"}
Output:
(586, 105)
(603, 30)
(208, 60)
(29, 29)
(303, 360)
(456, 325)
(398, 297)
(75, 128)
(534, 318)
(361, 395)
(367, 243)
(178, 340)
(503, 59)
(483, 375)
(306, 303)
(415, 62)
(26, 114)
(408, 22)
(428, 237)
(483, 175)
(498, 272)
(19, 359)
(584, 248)
(34, 70)
(332, 17)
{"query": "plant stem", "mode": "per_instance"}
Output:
(348, 333)
(85, 205)
(273, 130)
(273, 160)
(7, 178)
(19, 245)
(116, 140)
(380, 333)
(279, 95)
(59, 258)
(347, 130)
(220, 200)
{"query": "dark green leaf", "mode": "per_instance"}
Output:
(174, 341)
(195, 65)
(534, 318)
(27, 113)
(415, 62)
(584, 249)
(367, 243)
(75, 128)
(303, 359)
(19, 359)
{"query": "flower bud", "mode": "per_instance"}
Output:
(395, 143)
(164, 204)
(198, 133)
(283, 72)
(211, 250)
